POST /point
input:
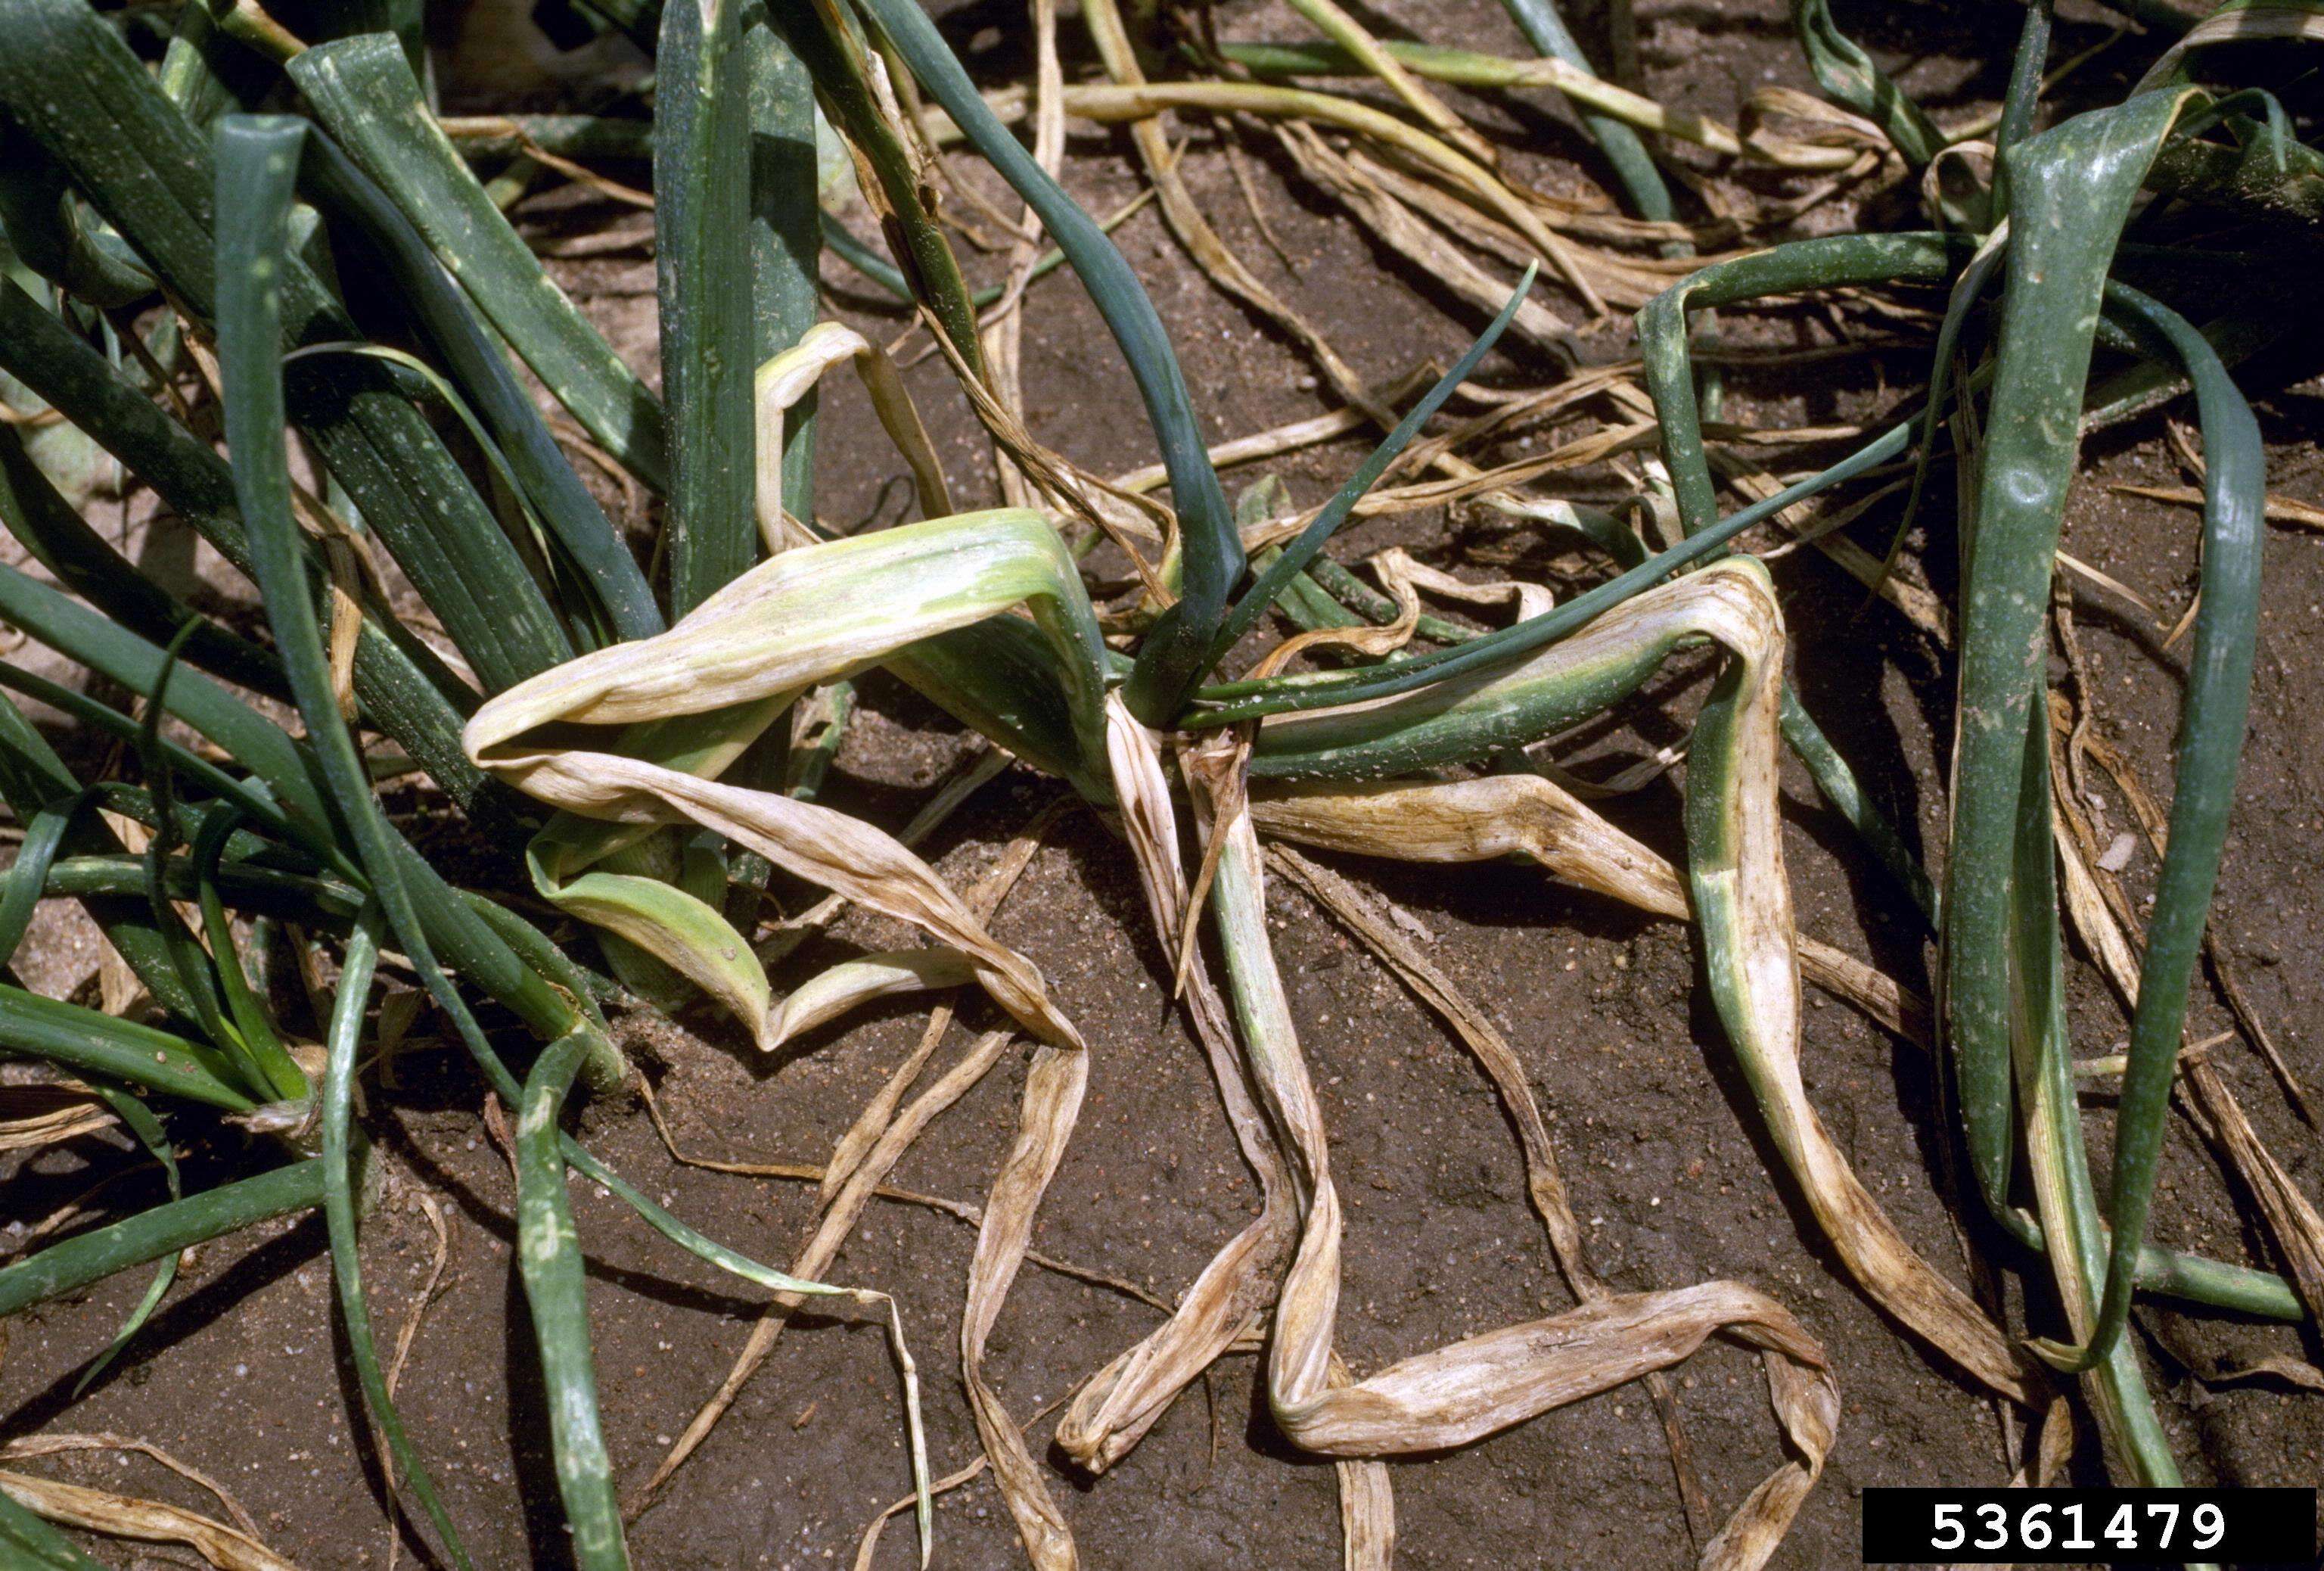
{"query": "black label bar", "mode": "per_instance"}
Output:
(2071, 1526)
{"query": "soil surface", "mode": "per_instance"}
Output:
(241, 1373)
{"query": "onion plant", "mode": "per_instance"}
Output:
(289, 214)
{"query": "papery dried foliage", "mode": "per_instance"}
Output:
(1469, 1389)
(1740, 891)
(150, 1521)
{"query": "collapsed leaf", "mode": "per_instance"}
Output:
(812, 614)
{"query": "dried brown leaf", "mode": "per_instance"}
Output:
(149, 1522)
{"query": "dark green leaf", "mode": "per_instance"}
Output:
(342, 1160)
(67, 1267)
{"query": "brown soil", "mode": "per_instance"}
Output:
(241, 1371)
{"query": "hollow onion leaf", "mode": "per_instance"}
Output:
(323, 902)
(47, 234)
(140, 1121)
(1843, 70)
(549, 1260)
(704, 264)
(2071, 191)
(53, 530)
(70, 80)
(85, 1041)
(2129, 1430)
(258, 157)
(2211, 751)
(1176, 651)
(1224, 703)
(277, 1071)
(787, 228)
(2090, 168)
(1302, 549)
(404, 688)
(1827, 262)
(1624, 148)
(45, 833)
(473, 364)
(820, 36)
(34, 780)
(364, 91)
(2021, 100)
(157, 1231)
(342, 1159)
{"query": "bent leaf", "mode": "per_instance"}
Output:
(1469, 1389)
(812, 613)
(1739, 890)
